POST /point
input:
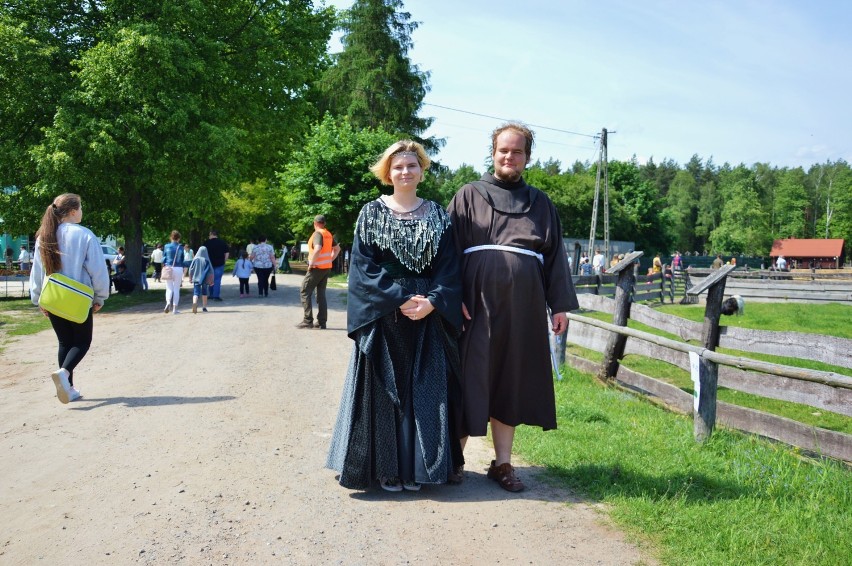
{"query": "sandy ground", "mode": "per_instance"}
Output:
(201, 439)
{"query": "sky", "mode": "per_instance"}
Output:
(736, 81)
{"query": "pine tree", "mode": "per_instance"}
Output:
(372, 82)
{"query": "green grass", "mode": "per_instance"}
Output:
(830, 319)
(735, 499)
(339, 280)
(19, 317)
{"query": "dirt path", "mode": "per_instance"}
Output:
(201, 439)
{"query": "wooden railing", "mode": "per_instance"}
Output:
(827, 391)
(818, 286)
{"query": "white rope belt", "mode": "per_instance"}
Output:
(505, 249)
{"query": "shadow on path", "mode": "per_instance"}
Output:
(154, 401)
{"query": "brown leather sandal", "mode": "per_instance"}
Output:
(504, 474)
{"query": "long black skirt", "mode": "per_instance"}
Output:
(394, 418)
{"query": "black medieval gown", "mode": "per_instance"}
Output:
(393, 419)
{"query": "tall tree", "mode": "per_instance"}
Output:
(791, 205)
(838, 204)
(442, 183)
(682, 206)
(167, 103)
(744, 224)
(372, 81)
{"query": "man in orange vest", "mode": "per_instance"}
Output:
(322, 251)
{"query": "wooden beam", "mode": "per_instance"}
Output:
(714, 278)
(827, 377)
(628, 260)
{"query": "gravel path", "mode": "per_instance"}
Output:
(201, 439)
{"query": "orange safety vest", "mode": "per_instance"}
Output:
(324, 257)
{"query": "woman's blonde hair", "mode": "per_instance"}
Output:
(62, 206)
(175, 236)
(381, 168)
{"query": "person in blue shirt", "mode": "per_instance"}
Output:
(173, 257)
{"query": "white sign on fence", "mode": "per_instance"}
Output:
(695, 371)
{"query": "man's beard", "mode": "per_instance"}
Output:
(508, 175)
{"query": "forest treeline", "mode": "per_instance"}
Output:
(166, 114)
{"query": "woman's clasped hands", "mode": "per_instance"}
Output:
(417, 307)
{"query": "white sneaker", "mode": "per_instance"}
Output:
(175, 311)
(63, 388)
(411, 486)
(75, 394)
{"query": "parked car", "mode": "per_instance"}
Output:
(109, 255)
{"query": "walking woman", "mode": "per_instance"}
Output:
(404, 314)
(173, 257)
(63, 246)
(263, 259)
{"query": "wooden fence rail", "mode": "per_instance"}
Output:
(826, 390)
(815, 347)
(805, 290)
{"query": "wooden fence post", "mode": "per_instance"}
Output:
(623, 293)
(704, 417)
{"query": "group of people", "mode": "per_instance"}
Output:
(206, 268)
(448, 310)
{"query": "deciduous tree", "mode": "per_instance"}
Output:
(331, 175)
(166, 104)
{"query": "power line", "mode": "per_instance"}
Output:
(593, 136)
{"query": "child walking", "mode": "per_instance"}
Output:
(201, 275)
(242, 270)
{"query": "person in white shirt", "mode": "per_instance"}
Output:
(63, 246)
(598, 262)
(157, 261)
(781, 263)
(24, 259)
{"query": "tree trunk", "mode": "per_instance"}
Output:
(131, 221)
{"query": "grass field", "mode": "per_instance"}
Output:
(735, 499)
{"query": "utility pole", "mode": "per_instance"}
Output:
(602, 173)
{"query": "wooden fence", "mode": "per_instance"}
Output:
(826, 391)
(801, 287)
(660, 287)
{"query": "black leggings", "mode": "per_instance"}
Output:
(263, 280)
(74, 342)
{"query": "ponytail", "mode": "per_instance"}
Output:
(62, 206)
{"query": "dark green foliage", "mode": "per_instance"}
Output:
(331, 175)
(151, 110)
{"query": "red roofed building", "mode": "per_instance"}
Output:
(825, 254)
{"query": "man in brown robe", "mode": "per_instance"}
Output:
(514, 267)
